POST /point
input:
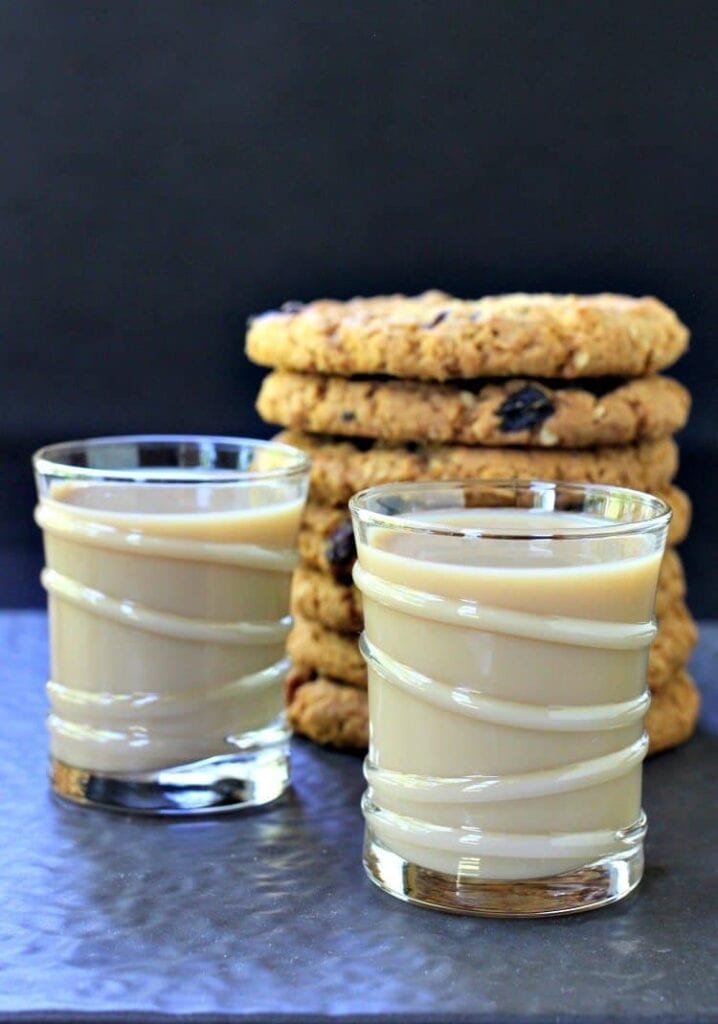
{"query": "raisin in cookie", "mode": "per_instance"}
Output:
(326, 540)
(437, 337)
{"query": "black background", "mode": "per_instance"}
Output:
(168, 168)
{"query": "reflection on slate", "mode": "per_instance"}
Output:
(270, 913)
(147, 796)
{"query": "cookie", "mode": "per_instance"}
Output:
(336, 604)
(512, 413)
(435, 336)
(314, 647)
(677, 636)
(321, 598)
(671, 582)
(326, 540)
(340, 468)
(331, 713)
(682, 513)
(673, 714)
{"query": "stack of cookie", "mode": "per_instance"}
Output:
(429, 388)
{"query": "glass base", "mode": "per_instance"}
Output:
(587, 888)
(215, 785)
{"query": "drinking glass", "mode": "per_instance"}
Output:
(167, 568)
(507, 628)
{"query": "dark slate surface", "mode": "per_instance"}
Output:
(269, 916)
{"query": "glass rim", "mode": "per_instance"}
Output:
(48, 461)
(660, 518)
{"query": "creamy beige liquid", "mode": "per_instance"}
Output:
(168, 611)
(506, 692)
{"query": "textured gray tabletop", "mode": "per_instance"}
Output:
(268, 916)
